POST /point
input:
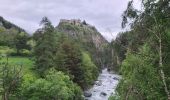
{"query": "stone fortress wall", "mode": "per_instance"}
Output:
(72, 21)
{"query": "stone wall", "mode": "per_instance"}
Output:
(72, 21)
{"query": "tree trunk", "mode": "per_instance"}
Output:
(161, 69)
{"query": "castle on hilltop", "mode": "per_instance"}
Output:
(77, 22)
(72, 21)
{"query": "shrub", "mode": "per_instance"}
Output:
(55, 86)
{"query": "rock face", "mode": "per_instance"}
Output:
(87, 35)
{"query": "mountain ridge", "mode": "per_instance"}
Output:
(9, 25)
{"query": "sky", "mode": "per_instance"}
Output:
(105, 15)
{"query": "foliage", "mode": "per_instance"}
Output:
(56, 50)
(61, 66)
(26, 62)
(77, 64)
(140, 79)
(15, 40)
(45, 48)
(21, 42)
(10, 77)
(5, 50)
(7, 37)
(144, 73)
(55, 85)
(114, 97)
(90, 71)
(68, 60)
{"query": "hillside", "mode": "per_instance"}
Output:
(87, 36)
(8, 32)
(8, 25)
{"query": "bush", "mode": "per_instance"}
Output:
(140, 77)
(5, 50)
(25, 52)
(114, 97)
(90, 71)
(55, 86)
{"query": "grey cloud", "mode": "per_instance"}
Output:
(104, 14)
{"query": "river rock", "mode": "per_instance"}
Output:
(98, 83)
(106, 82)
(87, 94)
(115, 78)
(108, 69)
(103, 94)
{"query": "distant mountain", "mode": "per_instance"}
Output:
(8, 25)
(86, 35)
(8, 32)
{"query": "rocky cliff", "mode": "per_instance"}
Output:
(86, 35)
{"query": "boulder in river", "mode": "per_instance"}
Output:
(103, 94)
(98, 83)
(108, 69)
(87, 94)
(115, 78)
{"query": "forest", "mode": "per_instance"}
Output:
(142, 54)
(63, 62)
(51, 63)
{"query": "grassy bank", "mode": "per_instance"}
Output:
(26, 62)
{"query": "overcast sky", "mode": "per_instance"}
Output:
(105, 15)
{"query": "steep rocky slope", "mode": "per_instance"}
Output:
(87, 36)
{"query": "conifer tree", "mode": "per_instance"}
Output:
(45, 48)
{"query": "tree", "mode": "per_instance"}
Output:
(21, 42)
(153, 20)
(45, 48)
(90, 71)
(10, 77)
(84, 22)
(140, 79)
(68, 60)
(76, 63)
(54, 86)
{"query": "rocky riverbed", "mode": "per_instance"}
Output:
(103, 87)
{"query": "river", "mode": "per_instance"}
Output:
(104, 86)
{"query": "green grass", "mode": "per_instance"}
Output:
(27, 63)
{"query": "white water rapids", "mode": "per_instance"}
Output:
(104, 87)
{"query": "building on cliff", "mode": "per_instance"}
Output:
(72, 21)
